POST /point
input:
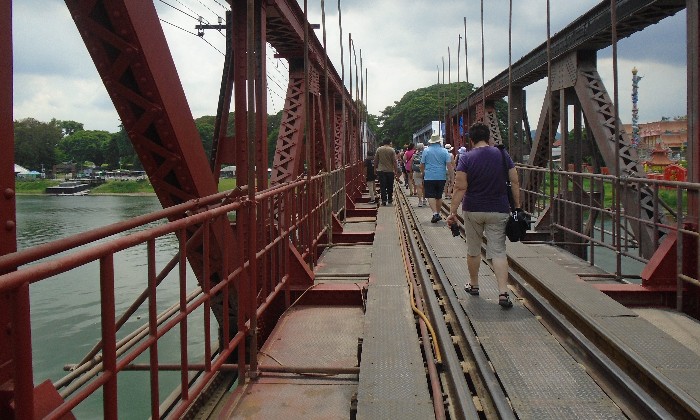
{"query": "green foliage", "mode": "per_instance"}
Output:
(226, 184)
(69, 127)
(35, 143)
(86, 145)
(35, 186)
(421, 106)
(273, 131)
(124, 187)
(205, 127)
(127, 155)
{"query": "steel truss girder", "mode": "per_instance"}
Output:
(129, 49)
(539, 152)
(492, 121)
(285, 32)
(337, 136)
(288, 162)
(290, 153)
(319, 143)
(591, 31)
(600, 114)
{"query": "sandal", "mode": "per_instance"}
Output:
(472, 290)
(504, 300)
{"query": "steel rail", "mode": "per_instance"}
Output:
(432, 361)
(617, 384)
(461, 396)
(669, 395)
(486, 373)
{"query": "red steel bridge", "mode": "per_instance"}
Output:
(306, 237)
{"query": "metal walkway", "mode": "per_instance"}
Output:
(539, 376)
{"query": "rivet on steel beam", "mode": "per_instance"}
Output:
(9, 193)
(10, 225)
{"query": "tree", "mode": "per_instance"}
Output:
(205, 127)
(125, 150)
(69, 127)
(35, 143)
(86, 146)
(418, 107)
(273, 131)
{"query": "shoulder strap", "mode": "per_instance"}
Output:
(505, 173)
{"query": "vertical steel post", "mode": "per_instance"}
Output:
(618, 185)
(16, 346)
(109, 336)
(343, 124)
(328, 137)
(252, 220)
(693, 96)
(260, 43)
(153, 328)
(693, 64)
(8, 240)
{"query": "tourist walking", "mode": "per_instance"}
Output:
(386, 167)
(450, 172)
(480, 188)
(435, 162)
(407, 166)
(417, 174)
(370, 177)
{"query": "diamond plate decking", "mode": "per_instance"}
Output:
(393, 381)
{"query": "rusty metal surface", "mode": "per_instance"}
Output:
(354, 259)
(318, 336)
(359, 227)
(296, 398)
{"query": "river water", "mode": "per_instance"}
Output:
(65, 310)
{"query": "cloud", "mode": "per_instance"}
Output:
(403, 44)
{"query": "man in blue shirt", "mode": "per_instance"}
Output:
(435, 163)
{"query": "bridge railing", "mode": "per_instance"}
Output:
(584, 213)
(178, 313)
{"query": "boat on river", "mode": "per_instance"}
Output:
(69, 188)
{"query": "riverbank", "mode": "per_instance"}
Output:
(110, 187)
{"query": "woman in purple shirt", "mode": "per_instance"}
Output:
(480, 186)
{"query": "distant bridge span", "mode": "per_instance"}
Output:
(574, 80)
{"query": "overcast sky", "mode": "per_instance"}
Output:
(403, 45)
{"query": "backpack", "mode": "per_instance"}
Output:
(415, 162)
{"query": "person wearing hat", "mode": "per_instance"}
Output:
(435, 162)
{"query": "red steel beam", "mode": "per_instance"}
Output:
(12, 305)
(8, 239)
(127, 44)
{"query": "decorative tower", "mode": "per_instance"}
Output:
(635, 110)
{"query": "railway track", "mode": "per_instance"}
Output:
(467, 385)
